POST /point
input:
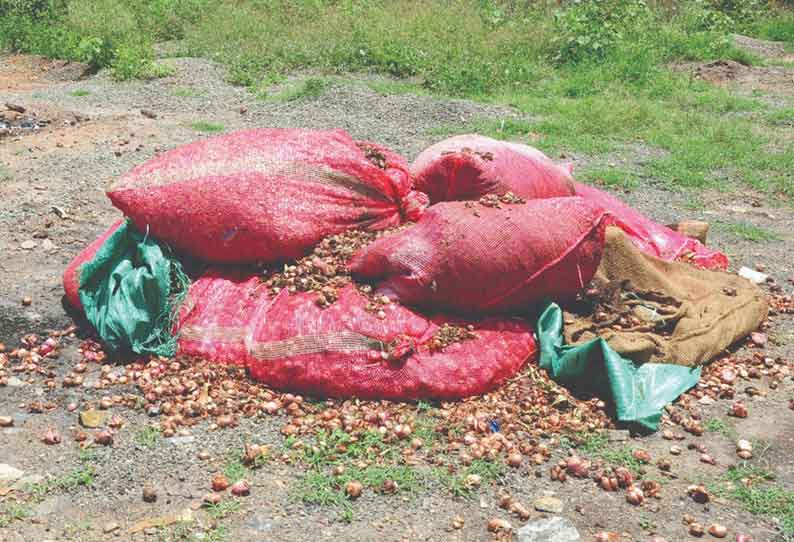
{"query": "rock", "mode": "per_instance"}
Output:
(554, 529)
(9, 473)
(110, 527)
(28, 245)
(552, 505)
(92, 419)
(180, 441)
(15, 107)
(15, 382)
(48, 245)
(752, 275)
(148, 114)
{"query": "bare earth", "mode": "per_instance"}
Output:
(53, 203)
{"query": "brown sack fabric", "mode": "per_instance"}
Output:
(651, 310)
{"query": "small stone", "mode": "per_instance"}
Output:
(149, 494)
(758, 338)
(27, 301)
(552, 505)
(148, 114)
(6, 421)
(110, 527)
(553, 529)
(9, 473)
(28, 245)
(181, 441)
(92, 419)
(16, 108)
(618, 435)
(706, 400)
(48, 245)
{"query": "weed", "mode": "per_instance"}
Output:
(717, 425)
(186, 92)
(748, 232)
(12, 511)
(234, 470)
(597, 445)
(610, 177)
(148, 437)
(223, 509)
(309, 89)
(751, 487)
(782, 117)
(77, 93)
(207, 127)
(79, 477)
(488, 471)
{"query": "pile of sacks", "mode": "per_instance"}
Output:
(331, 267)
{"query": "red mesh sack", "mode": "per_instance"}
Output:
(71, 276)
(266, 195)
(287, 341)
(650, 237)
(467, 167)
(465, 256)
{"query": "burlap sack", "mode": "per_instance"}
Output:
(672, 312)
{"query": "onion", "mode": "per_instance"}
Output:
(104, 438)
(149, 494)
(641, 455)
(738, 409)
(635, 496)
(718, 531)
(514, 459)
(498, 524)
(696, 529)
(699, 493)
(219, 482)
(51, 436)
(353, 489)
(706, 458)
(241, 488)
(6, 421)
(212, 499)
(607, 536)
(577, 467)
(624, 476)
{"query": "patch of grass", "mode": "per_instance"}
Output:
(234, 470)
(11, 512)
(717, 425)
(186, 92)
(341, 447)
(308, 89)
(781, 117)
(207, 127)
(223, 509)
(77, 93)
(5, 174)
(488, 471)
(596, 445)
(148, 437)
(78, 477)
(754, 488)
(610, 177)
(748, 232)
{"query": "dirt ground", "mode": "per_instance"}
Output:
(79, 131)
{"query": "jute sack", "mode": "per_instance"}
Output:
(676, 313)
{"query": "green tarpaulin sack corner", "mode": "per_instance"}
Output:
(130, 290)
(639, 392)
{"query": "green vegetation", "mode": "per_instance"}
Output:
(611, 177)
(222, 509)
(207, 127)
(754, 488)
(587, 77)
(460, 484)
(596, 445)
(77, 93)
(11, 512)
(717, 425)
(148, 437)
(748, 232)
(308, 89)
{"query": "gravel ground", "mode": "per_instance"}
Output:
(52, 184)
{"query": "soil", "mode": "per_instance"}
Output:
(53, 204)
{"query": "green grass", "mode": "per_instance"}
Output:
(11, 512)
(717, 425)
(223, 509)
(308, 89)
(591, 81)
(234, 470)
(762, 497)
(148, 437)
(748, 232)
(488, 471)
(596, 445)
(186, 92)
(207, 127)
(77, 93)
(610, 177)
